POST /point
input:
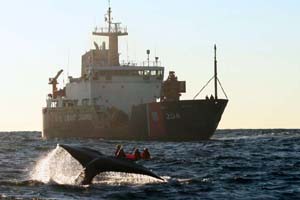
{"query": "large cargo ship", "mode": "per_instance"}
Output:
(114, 100)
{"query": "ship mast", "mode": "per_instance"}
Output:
(109, 17)
(113, 31)
(216, 73)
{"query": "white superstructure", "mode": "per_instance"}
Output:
(104, 82)
(120, 87)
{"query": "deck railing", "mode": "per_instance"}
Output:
(116, 29)
(139, 64)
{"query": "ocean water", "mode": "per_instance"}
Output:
(235, 164)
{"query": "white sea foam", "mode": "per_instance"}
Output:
(118, 178)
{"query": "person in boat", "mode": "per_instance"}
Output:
(118, 149)
(145, 154)
(121, 153)
(135, 155)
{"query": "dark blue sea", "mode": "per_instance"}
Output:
(235, 164)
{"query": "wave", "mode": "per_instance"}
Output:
(255, 134)
(21, 183)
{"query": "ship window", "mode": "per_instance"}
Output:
(159, 74)
(147, 72)
(146, 75)
(141, 73)
(54, 104)
(153, 73)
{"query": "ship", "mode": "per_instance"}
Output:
(127, 101)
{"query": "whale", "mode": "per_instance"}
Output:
(94, 163)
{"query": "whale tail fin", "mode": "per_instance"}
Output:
(94, 163)
(109, 164)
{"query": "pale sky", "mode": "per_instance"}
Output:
(258, 52)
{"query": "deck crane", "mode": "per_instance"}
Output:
(53, 82)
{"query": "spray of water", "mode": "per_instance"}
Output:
(57, 166)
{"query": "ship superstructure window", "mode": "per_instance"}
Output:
(109, 73)
(140, 72)
(147, 72)
(53, 104)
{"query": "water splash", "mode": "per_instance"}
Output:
(57, 166)
(119, 178)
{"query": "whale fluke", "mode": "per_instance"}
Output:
(95, 162)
